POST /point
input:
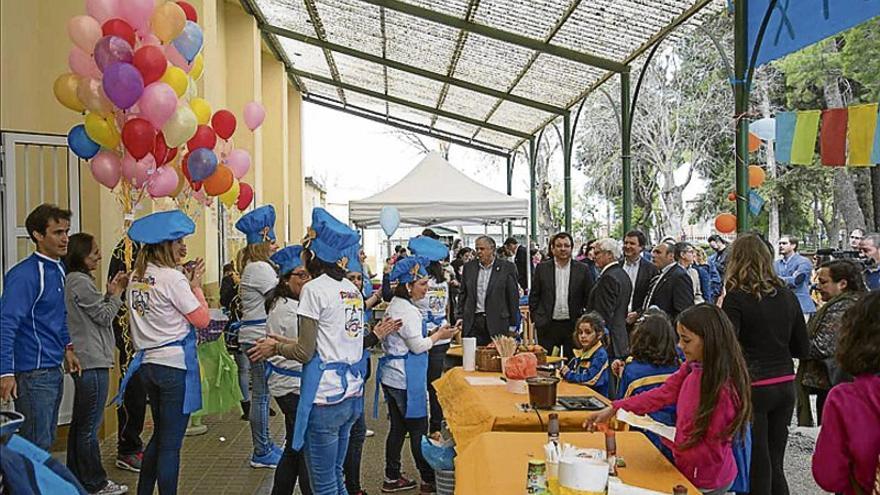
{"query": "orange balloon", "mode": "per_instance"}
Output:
(725, 223)
(219, 182)
(756, 176)
(754, 143)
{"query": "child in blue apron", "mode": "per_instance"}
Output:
(403, 373)
(434, 311)
(589, 366)
(330, 344)
(258, 278)
(163, 306)
(284, 374)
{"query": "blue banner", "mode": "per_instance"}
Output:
(756, 202)
(795, 24)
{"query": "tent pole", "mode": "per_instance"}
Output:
(625, 127)
(566, 151)
(533, 197)
(510, 159)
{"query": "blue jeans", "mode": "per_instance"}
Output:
(39, 397)
(259, 414)
(326, 443)
(352, 466)
(83, 449)
(244, 378)
(165, 388)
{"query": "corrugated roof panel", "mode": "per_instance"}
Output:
(359, 72)
(492, 63)
(289, 14)
(534, 19)
(468, 103)
(423, 44)
(413, 88)
(519, 117)
(351, 23)
(556, 80)
(305, 57)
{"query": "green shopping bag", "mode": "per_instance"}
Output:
(220, 390)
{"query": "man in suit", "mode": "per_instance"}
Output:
(560, 292)
(489, 300)
(518, 254)
(672, 290)
(639, 270)
(611, 295)
(796, 271)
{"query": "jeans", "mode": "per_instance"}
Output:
(772, 407)
(259, 413)
(326, 443)
(292, 464)
(83, 449)
(165, 388)
(39, 397)
(436, 360)
(400, 426)
(244, 377)
(352, 465)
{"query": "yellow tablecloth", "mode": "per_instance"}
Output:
(497, 462)
(470, 410)
(458, 353)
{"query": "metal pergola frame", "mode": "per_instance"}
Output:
(300, 78)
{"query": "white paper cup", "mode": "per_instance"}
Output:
(586, 475)
(469, 353)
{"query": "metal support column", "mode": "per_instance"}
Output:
(626, 159)
(741, 101)
(566, 151)
(510, 159)
(533, 194)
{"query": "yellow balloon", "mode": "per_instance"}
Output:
(202, 109)
(231, 196)
(102, 130)
(180, 127)
(198, 66)
(65, 91)
(168, 21)
(176, 78)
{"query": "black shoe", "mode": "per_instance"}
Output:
(245, 410)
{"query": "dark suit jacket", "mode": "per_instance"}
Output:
(674, 292)
(610, 298)
(542, 297)
(521, 260)
(502, 297)
(647, 272)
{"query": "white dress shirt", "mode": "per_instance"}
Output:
(563, 275)
(483, 285)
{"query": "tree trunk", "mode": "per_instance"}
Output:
(671, 199)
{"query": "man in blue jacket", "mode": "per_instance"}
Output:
(33, 328)
(797, 272)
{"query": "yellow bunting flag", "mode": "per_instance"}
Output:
(805, 132)
(860, 135)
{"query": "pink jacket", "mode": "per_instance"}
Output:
(710, 463)
(849, 441)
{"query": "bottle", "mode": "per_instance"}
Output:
(679, 490)
(553, 429)
(611, 450)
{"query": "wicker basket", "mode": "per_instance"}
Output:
(487, 358)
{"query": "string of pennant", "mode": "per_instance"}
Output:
(847, 136)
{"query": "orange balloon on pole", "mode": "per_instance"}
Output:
(219, 182)
(725, 223)
(756, 176)
(754, 143)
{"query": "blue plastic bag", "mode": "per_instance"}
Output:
(742, 454)
(439, 456)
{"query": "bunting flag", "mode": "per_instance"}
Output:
(832, 140)
(875, 156)
(804, 143)
(785, 123)
(756, 202)
(862, 127)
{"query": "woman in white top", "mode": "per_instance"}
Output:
(403, 374)
(163, 305)
(258, 278)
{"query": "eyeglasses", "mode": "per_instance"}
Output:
(856, 237)
(301, 275)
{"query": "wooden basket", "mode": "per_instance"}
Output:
(487, 358)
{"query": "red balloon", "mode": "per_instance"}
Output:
(245, 196)
(139, 137)
(223, 123)
(203, 138)
(150, 61)
(185, 168)
(160, 149)
(172, 152)
(118, 27)
(189, 10)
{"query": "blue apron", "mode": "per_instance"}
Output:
(192, 398)
(416, 368)
(271, 368)
(311, 379)
(231, 332)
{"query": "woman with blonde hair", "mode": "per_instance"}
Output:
(771, 330)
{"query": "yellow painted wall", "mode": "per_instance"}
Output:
(297, 223)
(274, 132)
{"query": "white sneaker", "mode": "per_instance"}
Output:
(370, 433)
(112, 488)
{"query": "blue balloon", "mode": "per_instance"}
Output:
(389, 219)
(201, 163)
(189, 42)
(81, 144)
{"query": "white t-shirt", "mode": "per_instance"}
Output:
(158, 304)
(408, 338)
(338, 307)
(283, 321)
(435, 301)
(257, 279)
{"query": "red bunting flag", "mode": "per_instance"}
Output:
(832, 139)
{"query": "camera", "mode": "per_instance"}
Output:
(828, 254)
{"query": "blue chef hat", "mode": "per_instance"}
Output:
(353, 254)
(329, 238)
(254, 222)
(288, 259)
(162, 226)
(430, 249)
(408, 269)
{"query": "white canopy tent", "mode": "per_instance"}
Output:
(435, 193)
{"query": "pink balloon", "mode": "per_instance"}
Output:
(82, 63)
(138, 171)
(201, 197)
(163, 182)
(254, 113)
(158, 103)
(102, 9)
(176, 58)
(136, 12)
(150, 39)
(106, 168)
(84, 31)
(239, 161)
(110, 50)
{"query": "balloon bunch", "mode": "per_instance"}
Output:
(134, 67)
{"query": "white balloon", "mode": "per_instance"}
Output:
(764, 128)
(389, 219)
